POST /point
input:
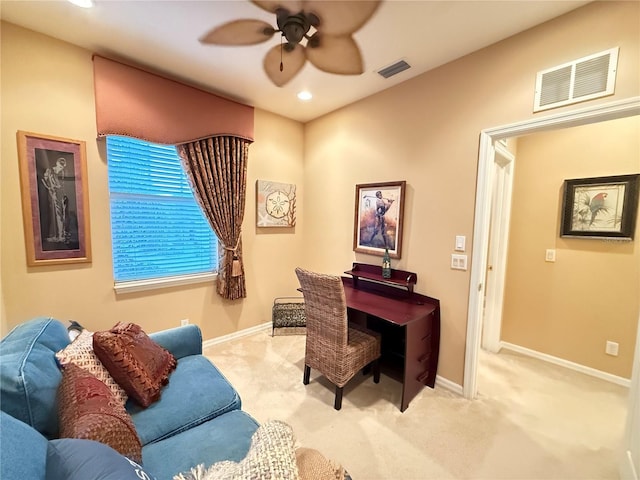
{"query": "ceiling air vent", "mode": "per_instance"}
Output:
(394, 69)
(583, 79)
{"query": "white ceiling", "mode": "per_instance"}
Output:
(163, 36)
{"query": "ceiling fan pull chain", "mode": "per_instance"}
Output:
(281, 66)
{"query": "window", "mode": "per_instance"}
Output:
(158, 232)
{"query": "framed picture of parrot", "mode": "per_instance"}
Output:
(600, 207)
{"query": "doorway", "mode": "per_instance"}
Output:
(481, 257)
(484, 194)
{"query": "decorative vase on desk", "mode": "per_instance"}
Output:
(386, 264)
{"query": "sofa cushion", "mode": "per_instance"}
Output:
(180, 341)
(24, 450)
(75, 459)
(87, 409)
(195, 382)
(227, 437)
(271, 456)
(137, 363)
(80, 352)
(29, 374)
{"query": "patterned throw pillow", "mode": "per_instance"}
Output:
(75, 459)
(312, 465)
(137, 363)
(88, 410)
(80, 353)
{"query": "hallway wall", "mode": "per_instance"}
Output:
(570, 308)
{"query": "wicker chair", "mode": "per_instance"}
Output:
(333, 347)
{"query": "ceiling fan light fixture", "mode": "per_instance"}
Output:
(329, 46)
(305, 95)
(295, 28)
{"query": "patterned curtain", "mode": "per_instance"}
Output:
(217, 169)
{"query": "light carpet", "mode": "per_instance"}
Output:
(531, 420)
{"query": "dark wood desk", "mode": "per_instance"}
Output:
(408, 322)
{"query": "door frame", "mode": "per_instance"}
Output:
(629, 466)
(484, 190)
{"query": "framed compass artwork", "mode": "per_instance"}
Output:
(275, 204)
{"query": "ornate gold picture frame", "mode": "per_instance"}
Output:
(379, 217)
(55, 199)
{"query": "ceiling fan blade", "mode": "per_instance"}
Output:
(239, 32)
(342, 18)
(293, 6)
(339, 55)
(292, 63)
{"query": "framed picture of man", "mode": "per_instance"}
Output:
(379, 213)
(55, 199)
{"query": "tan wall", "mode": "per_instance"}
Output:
(570, 308)
(426, 131)
(47, 87)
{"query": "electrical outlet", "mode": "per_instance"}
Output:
(458, 262)
(184, 321)
(611, 348)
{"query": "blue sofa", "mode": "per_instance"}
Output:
(198, 418)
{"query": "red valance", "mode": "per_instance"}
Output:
(136, 103)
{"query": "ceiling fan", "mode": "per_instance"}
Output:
(327, 28)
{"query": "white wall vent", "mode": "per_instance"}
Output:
(587, 78)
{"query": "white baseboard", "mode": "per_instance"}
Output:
(449, 385)
(625, 382)
(238, 334)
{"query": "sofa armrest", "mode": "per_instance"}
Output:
(180, 341)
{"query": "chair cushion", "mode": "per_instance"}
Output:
(76, 459)
(137, 363)
(29, 374)
(88, 410)
(80, 352)
(196, 381)
(24, 451)
(227, 437)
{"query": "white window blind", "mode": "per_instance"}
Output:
(157, 227)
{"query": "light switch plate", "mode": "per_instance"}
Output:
(550, 255)
(458, 262)
(461, 240)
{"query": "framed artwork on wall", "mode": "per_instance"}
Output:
(600, 207)
(275, 204)
(55, 199)
(379, 216)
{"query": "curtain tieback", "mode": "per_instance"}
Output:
(236, 266)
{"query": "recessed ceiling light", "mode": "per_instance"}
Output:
(304, 95)
(82, 3)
